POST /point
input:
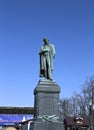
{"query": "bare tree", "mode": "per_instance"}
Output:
(88, 93)
(64, 106)
(78, 104)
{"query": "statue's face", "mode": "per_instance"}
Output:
(46, 41)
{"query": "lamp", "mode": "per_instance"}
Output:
(91, 114)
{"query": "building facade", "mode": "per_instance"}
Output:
(10, 117)
(76, 123)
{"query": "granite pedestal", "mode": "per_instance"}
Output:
(46, 105)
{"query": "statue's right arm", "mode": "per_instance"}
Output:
(41, 50)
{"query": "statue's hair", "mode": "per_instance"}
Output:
(45, 39)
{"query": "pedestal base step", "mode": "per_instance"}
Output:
(46, 126)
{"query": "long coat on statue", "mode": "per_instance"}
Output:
(50, 49)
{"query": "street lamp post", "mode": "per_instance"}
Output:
(91, 115)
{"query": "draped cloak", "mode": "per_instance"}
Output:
(52, 53)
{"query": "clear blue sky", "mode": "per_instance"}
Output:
(69, 25)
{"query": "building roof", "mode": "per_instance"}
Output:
(16, 110)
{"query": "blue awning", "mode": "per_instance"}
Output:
(12, 119)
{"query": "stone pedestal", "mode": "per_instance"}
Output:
(46, 105)
(47, 126)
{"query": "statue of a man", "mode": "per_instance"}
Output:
(47, 54)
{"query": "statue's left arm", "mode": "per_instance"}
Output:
(53, 52)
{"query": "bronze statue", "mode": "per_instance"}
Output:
(47, 54)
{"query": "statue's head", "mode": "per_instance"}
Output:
(46, 40)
